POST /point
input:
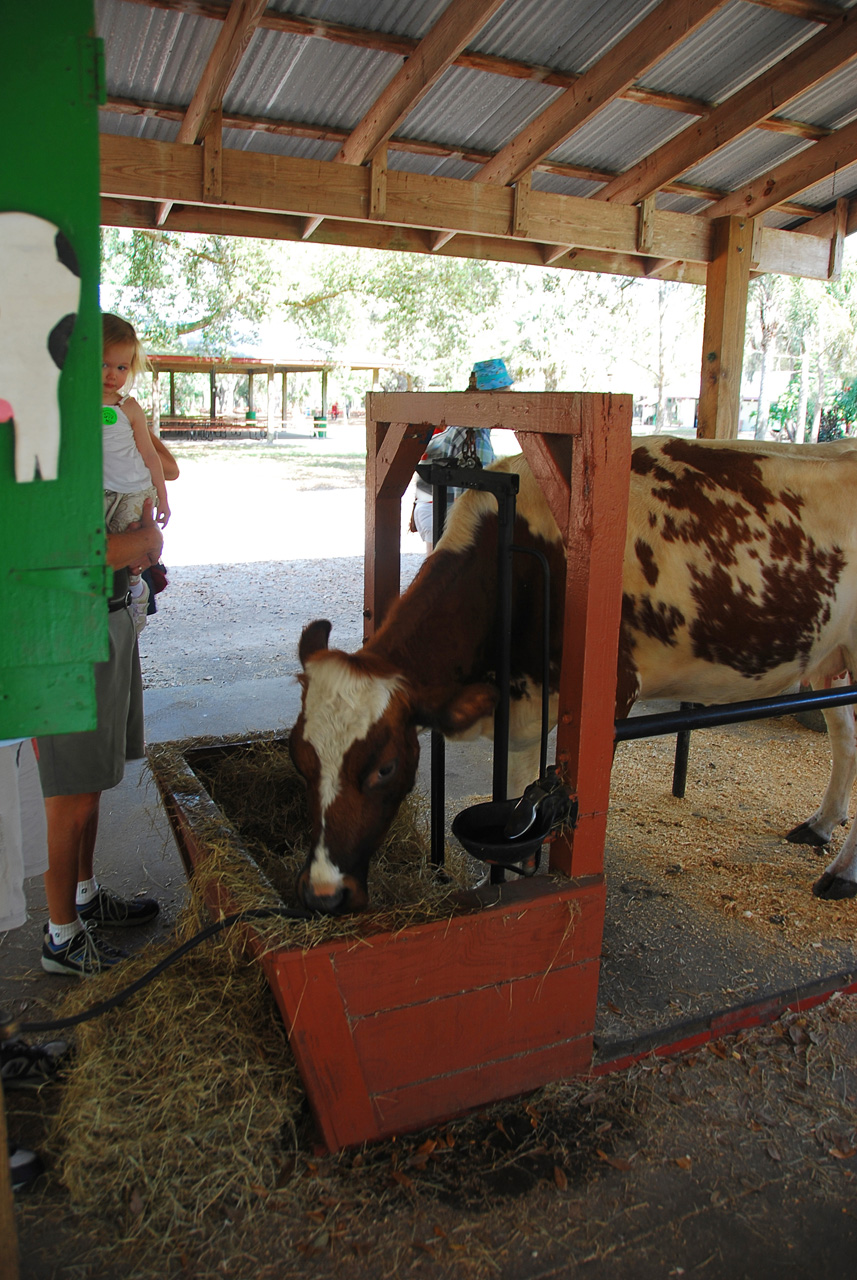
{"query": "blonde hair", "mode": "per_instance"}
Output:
(116, 331)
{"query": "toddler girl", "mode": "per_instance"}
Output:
(132, 468)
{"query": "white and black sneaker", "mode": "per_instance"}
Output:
(82, 956)
(106, 908)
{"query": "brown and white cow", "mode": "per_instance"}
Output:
(740, 580)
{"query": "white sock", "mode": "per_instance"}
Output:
(60, 934)
(86, 889)
(137, 588)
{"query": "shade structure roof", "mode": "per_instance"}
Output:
(603, 135)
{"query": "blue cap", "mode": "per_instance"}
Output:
(492, 375)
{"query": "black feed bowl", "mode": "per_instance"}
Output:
(480, 830)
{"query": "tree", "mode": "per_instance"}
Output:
(171, 285)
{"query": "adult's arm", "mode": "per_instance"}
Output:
(168, 461)
(136, 548)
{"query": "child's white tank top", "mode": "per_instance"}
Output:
(124, 469)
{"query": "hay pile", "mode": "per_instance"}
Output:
(183, 1109)
(181, 1106)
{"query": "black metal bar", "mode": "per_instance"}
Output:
(546, 651)
(505, 533)
(682, 755)
(504, 486)
(437, 790)
(729, 713)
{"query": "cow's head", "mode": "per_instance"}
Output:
(355, 744)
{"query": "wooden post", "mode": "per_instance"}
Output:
(597, 515)
(723, 332)
(392, 452)
(172, 394)
(156, 402)
(250, 399)
(324, 393)
(212, 395)
(268, 414)
(284, 411)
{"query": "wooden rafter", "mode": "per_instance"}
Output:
(418, 207)
(649, 41)
(235, 35)
(809, 64)
(416, 146)
(458, 24)
(404, 46)
(816, 162)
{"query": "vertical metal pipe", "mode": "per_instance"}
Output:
(505, 530)
(437, 789)
(682, 753)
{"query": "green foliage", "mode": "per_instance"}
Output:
(845, 403)
(170, 285)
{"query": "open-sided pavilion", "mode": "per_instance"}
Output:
(697, 140)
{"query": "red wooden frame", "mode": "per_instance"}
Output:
(396, 1031)
(578, 446)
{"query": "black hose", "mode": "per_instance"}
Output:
(61, 1024)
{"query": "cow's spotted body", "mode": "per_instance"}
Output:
(740, 580)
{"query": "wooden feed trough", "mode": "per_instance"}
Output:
(398, 1030)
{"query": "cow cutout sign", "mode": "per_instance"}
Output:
(39, 299)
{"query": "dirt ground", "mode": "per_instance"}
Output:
(737, 1159)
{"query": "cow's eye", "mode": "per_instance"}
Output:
(383, 773)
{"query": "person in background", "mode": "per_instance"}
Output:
(133, 467)
(450, 442)
(76, 767)
(23, 853)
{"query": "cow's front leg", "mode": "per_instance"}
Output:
(833, 810)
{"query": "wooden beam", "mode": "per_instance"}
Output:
(815, 163)
(551, 253)
(646, 225)
(649, 41)
(136, 171)
(235, 35)
(378, 185)
(212, 169)
(416, 146)
(723, 330)
(824, 224)
(521, 214)
(437, 50)
(796, 74)
(221, 220)
(837, 240)
(309, 189)
(310, 225)
(812, 10)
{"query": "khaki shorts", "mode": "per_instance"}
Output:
(74, 763)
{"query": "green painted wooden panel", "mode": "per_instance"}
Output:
(53, 621)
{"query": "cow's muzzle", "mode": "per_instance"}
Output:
(343, 899)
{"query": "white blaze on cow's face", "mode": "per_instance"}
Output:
(341, 707)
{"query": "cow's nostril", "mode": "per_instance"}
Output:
(324, 902)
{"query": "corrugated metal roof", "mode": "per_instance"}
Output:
(155, 57)
(733, 47)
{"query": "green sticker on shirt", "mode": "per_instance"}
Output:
(109, 416)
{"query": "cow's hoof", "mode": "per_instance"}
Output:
(834, 888)
(804, 834)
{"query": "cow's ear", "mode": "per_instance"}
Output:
(313, 637)
(469, 705)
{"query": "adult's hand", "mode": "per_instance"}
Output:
(139, 546)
